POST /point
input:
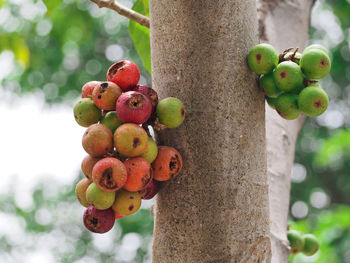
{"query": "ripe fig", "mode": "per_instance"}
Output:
(126, 203)
(87, 165)
(125, 74)
(105, 95)
(139, 174)
(97, 140)
(80, 191)
(262, 58)
(151, 190)
(133, 107)
(150, 93)
(313, 100)
(288, 76)
(88, 88)
(99, 198)
(168, 163)
(86, 112)
(171, 112)
(98, 221)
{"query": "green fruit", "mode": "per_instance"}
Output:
(268, 85)
(271, 102)
(288, 76)
(296, 241)
(311, 244)
(315, 64)
(80, 191)
(98, 198)
(171, 112)
(313, 100)
(86, 112)
(262, 58)
(296, 58)
(316, 46)
(287, 106)
(151, 152)
(126, 203)
(111, 121)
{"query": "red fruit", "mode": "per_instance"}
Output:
(87, 165)
(118, 216)
(98, 221)
(150, 93)
(151, 190)
(139, 174)
(125, 74)
(105, 95)
(109, 174)
(97, 140)
(88, 88)
(133, 107)
(168, 163)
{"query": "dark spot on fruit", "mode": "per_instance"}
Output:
(75, 116)
(258, 58)
(283, 74)
(104, 85)
(92, 222)
(99, 96)
(131, 197)
(318, 103)
(145, 180)
(291, 106)
(107, 180)
(174, 165)
(182, 111)
(136, 142)
(160, 168)
(136, 101)
(294, 250)
(131, 207)
(114, 69)
(153, 96)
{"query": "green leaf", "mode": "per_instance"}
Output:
(51, 5)
(140, 34)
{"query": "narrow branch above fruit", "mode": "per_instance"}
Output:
(124, 11)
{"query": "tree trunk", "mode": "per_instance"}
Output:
(283, 24)
(217, 209)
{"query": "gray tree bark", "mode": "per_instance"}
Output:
(217, 209)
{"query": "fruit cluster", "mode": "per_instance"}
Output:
(289, 80)
(307, 244)
(124, 164)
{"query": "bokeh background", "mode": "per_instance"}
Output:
(48, 50)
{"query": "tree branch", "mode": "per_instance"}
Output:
(124, 11)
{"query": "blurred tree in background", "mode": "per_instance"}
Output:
(54, 47)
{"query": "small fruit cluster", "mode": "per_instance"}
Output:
(124, 164)
(289, 80)
(307, 244)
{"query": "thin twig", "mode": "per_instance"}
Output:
(124, 11)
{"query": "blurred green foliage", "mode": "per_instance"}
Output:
(59, 45)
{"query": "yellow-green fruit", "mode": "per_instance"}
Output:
(268, 85)
(111, 121)
(287, 106)
(315, 64)
(171, 112)
(151, 152)
(311, 245)
(262, 58)
(99, 198)
(86, 112)
(80, 191)
(288, 76)
(296, 241)
(295, 59)
(313, 100)
(126, 203)
(316, 46)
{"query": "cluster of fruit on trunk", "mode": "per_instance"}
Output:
(290, 80)
(307, 244)
(124, 163)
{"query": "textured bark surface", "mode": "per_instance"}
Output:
(283, 24)
(216, 210)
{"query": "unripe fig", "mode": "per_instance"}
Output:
(139, 174)
(105, 95)
(171, 112)
(98, 221)
(126, 203)
(262, 58)
(110, 119)
(151, 190)
(80, 191)
(87, 165)
(296, 58)
(97, 140)
(271, 102)
(316, 46)
(150, 93)
(288, 76)
(168, 163)
(99, 198)
(311, 245)
(86, 112)
(313, 100)
(296, 241)
(133, 107)
(130, 140)
(88, 88)
(268, 85)
(125, 74)
(109, 174)
(287, 106)
(315, 64)
(151, 152)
